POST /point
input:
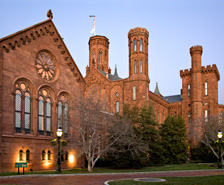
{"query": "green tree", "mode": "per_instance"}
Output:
(146, 128)
(174, 139)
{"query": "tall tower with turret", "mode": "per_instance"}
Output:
(98, 53)
(137, 85)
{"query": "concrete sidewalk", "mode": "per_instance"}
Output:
(98, 178)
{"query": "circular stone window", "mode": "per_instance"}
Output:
(45, 65)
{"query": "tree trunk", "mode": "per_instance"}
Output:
(90, 169)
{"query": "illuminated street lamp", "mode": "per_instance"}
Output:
(220, 148)
(59, 134)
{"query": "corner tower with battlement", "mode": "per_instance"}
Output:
(199, 89)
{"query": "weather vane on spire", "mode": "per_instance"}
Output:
(50, 14)
(93, 29)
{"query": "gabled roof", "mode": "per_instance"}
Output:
(30, 34)
(172, 99)
(110, 76)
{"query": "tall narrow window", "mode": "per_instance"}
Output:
(27, 112)
(66, 119)
(117, 106)
(220, 117)
(134, 93)
(18, 111)
(22, 107)
(206, 116)
(135, 67)
(21, 155)
(27, 155)
(189, 117)
(48, 116)
(195, 63)
(66, 155)
(43, 155)
(94, 58)
(140, 44)
(60, 114)
(100, 58)
(206, 88)
(189, 90)
(49, 155)
(41, 115)
(135, 45)
(141, 66)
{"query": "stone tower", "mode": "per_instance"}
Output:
(98, 53)
(137, 86)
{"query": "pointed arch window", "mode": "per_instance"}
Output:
(117, 106)
(43, 155)
(18, 110)
(63, 113)
(140, 44)
(49, 155)
(100, 58)
(28, 155)
(94, 58)
(141, 66)
(44, 112)
(135, 45)
(135, 67)
(134, 93)
(22, 107)
(21, 155)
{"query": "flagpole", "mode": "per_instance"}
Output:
(93, 29)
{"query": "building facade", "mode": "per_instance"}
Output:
(40, 84)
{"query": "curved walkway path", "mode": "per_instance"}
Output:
(99, 178)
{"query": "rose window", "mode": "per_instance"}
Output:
(45, 65)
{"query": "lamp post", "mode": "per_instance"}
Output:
(220, 148)
(59, 134)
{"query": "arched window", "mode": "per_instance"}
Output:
(21, 155)
(100, 58)
(141, 66)
(41, 115)
(22, 107)
(189, 90)
(63, 113)
(44, 115)
(135, 45)
(60, 114)
(94, 58)
(134, 92)
(117, 106)
(18, 111)
(27, 111)
(27, 155)
(49, 155)
(140, 44)
(48, 116)
(43, 155)
(66, 119)
(135, 67)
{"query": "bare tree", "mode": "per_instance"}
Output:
(98, 130)
(205, 131)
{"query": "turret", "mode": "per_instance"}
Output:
(98, 53)
(196, 52)
(138, 51)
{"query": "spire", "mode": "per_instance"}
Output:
(115, 72)
(157, 89)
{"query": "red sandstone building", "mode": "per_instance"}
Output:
(40, 82)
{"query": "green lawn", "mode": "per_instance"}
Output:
(206, 180)
(188, 166)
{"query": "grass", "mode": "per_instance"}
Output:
(206, 180)
(188, 166)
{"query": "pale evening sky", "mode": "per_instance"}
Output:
(174, 26)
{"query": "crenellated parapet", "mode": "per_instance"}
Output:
(211, 69)
(196, 49)
(184, 73)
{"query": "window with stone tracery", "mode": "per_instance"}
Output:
(44, 112)
(22, 107)
(63, 113)
(45, 65)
